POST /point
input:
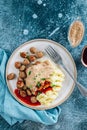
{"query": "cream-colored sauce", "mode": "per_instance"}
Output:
(38, 72)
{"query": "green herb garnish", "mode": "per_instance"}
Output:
(27, 57)
(38, 84)
(29, 72)
(29, 86)
(51, 74)
(39, 93)
(53, 85)
(34, 78)
(43, 79)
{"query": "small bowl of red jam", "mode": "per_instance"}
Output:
(84, 56)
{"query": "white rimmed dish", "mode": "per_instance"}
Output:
(41, 44)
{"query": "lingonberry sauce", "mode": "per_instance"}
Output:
(85, 56)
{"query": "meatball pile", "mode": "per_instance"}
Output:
(28, 60)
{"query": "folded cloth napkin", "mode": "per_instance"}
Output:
(12, 111)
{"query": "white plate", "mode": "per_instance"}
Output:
(41, 44)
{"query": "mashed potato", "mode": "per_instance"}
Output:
(56, 80)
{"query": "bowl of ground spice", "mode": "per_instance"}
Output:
(76, 33)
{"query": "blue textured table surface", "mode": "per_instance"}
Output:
(23, 20)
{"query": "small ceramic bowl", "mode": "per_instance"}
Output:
(84, 56)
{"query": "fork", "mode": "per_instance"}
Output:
(56, 58)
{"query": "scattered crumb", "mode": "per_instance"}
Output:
(25, 32)
(44, 4)
(60, 15)
(39, 2)
(34, 16)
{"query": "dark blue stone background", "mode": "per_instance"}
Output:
(23, 20)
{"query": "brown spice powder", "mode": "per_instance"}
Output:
(76, 33)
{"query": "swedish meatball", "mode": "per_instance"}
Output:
(33, 50)
(37, 62)
(46, 62)
(20, 84)
(26, 61)
(39, 54)
(32, 58)
(23, 54)
(23, 93)
(33, 99)
(20, 79)
(17, 64)
(25, 87)
(22, 68)
(11, 76)
(22, 74)
(28, 92)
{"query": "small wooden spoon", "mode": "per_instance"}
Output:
(76, 33)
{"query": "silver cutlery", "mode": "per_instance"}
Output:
(55, 56)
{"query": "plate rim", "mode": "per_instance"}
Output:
(45, 107)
